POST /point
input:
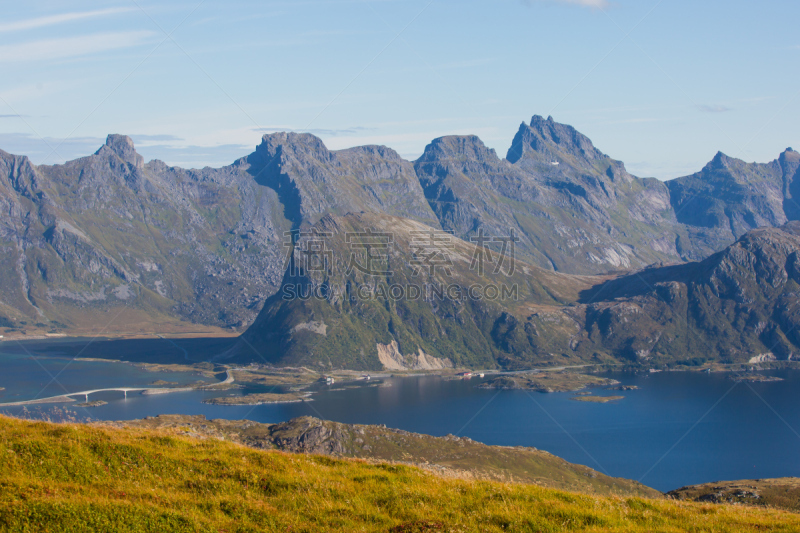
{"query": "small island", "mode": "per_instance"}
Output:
(257, 399)
(96, 403)
(597, 399)
(162, 383)
(623, 387)
(753, 378)
(547, 382)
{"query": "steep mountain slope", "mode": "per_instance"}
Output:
(313, 181)
(109, 236)
(730, 197)
(739, 305)
(428, 299)
(109, 243)
(574, 209)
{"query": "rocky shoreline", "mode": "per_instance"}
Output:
(258, 399)
(547, 382)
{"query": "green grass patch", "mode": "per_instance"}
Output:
(77, 478)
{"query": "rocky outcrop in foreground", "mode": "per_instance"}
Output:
(781, 493)
(450, 456)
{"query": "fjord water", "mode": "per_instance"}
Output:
(679, 428)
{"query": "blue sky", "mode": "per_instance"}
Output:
(662, 85)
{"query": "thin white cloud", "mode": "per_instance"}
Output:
(320, 132)
(49, 49)
(52, 20)
(596, 4)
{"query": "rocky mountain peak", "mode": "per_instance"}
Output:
(372, 150)
(298, 144)
(457, 146)
(549, 139)
(789, 156)
(122, 146)
(720, 160)
(789, 161)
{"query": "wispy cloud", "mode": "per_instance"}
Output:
(37, 148)
(52, 20)
(715, 108)
(49, 49)
(320, 132)
(596, 4)
(193, 156)
(189, 156)
(141, 137)
(13, 116)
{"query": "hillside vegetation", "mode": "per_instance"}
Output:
(451, 456)
(736, 306)
(76, 478)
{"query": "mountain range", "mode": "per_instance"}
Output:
(606, 265)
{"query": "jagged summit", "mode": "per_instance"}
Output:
(212, 232)
(292, 138)
(789, 155)
(549, 139)
(302, 145)
(457, 146)
(122, 146)
(720, 158)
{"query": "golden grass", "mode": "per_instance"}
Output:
(66, 478)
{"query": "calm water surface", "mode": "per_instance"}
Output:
(677, 429)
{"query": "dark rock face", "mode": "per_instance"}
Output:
(108, 231)
(122, 147)
(730, 197)
(310, 435)
(573, 208)
(209, 246)
(312, 181)
(737, 305)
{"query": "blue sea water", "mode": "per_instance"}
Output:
(678, 428)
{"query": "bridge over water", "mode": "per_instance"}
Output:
(63, 398)
(67, 397)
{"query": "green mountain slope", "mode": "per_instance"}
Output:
(735, 307)
(423, 305)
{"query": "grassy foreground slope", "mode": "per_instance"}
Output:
(449, 456)
(77, 478)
